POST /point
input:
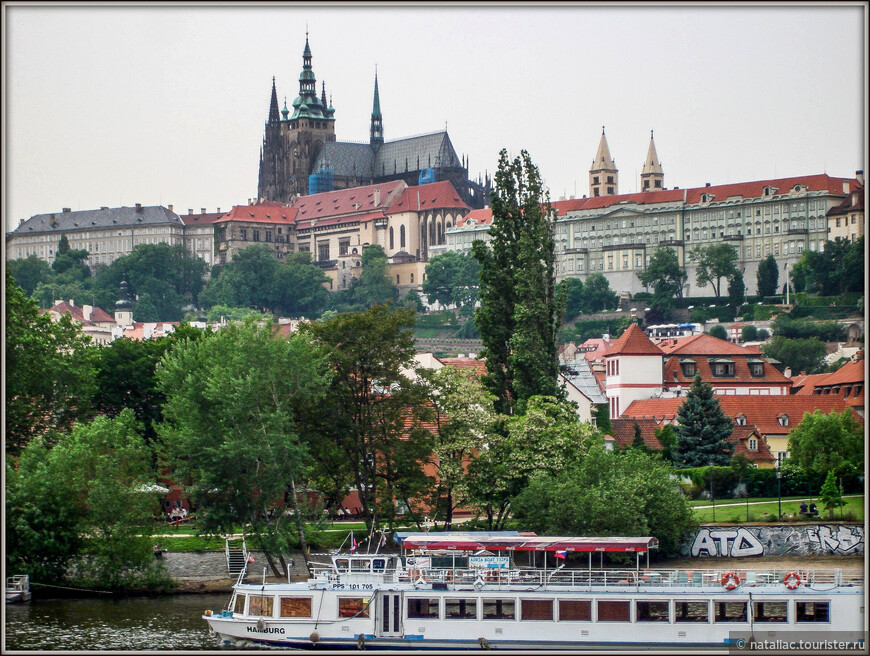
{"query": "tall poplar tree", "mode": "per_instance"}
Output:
(519, 311)
(703, 430)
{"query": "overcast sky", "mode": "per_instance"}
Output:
(161, 105)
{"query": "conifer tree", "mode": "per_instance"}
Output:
(704, 429)
(519, 311)
(830, 496)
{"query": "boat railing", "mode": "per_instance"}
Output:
(18, 583)
(721, 578)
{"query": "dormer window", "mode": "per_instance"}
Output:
(756, 368)
(753, 444)
(689, 368)
(783, 420)
(769, 191)
(722, 367)
(740, 420)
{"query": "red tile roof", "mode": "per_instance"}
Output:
(199, 219)
(77, 313)
(633, 342)
(482, 217)
(848, 205)
(622, 432)
(760, 411)
(673, 372)
(355, 200)
(440, 195)
(478, 366)
(346, 219)
(851, 372)
(740, 438)
(702, 344)
(267, 212)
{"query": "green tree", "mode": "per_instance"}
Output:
(714, 262)
(374, 286)
(248, 280)
(598, 295)
(300, 287)
(453, 278)
(30, 272)
(223, 312)
(828, 442)
(718, 330)
(70, 264)
(830, 496)
(703, 429)
(736, 291)
(547, 438)
(49, 371)
(667, 437)
(767, 277)
(606, 493)
(850, 270)
(519, 313)
(462, 411)
(572, 290)
(799, 354)
(664, 275)
(749, 334)
(230, 430)
(372, 414)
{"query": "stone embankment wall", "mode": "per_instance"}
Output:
(831, 539)
(206, 571)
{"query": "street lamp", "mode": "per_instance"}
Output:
(779, 487)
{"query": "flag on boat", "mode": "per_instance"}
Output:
(561, 554)
(353, 543)
(383, 540)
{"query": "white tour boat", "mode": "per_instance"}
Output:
(461, 591)
(17, 588)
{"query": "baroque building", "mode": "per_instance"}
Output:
(300, 154)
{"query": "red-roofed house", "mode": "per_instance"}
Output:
(268, 223)
(846, 383)
(94, 322)
(774, 418)
(200, 235)
(633, 370)
(468, 229)
(846, 220)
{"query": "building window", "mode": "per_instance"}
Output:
(323, 252)
(740, 420)
(244, 234)
(268, 235)
(402, 235)
(689, 369)
(343, 247)
(392, 244)
(256, 235)
(397, 278)
(753, 444)
(723, 369)
(412, 278)
(783, 420)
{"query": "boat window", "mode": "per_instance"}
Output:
(260, 605)
(575, 609)
(691, 611)
(353, 607)
(295, 606)
(341, 564)
(770, 611)
(379, 565)
(240, 604)
(730, 611)
(813, 611)
(652, 611)
(499, 609)
(423, 608)
(360, 565)
(614, 611)
(537, 609)
(460, 609)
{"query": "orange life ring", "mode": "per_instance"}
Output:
(792, 580)
(730, 580)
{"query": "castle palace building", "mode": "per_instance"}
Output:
(300, 155)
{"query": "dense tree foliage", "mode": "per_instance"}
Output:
(230, 430)
(519, 313)
(703, 429)
(767, 277)
(49, 371)
(749, 333)
(30, 272)
(714, 262)
(666, 277)
(609, 493)
(372, 416)
(453, 278)
(801, 355)
(837, 269)
(736, 290)
(371, 288)
(831, 496)
(718, 330)
(598, 295)
(832, 442)
(827, 331)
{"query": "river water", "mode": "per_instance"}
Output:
(164, 623)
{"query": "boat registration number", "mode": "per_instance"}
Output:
(352, 586)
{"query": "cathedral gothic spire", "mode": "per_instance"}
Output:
(603, 176)
(651, 176)
(273, 104)
(376, 134)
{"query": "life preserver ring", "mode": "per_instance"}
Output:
(792, 580)
(730, 580)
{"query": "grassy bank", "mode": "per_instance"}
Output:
(853, 510)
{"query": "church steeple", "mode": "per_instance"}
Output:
(273, 104)
(376, 134)
(652, 178)
(307, 104)
(603, 176)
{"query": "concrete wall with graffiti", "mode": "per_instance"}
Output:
(785, 540)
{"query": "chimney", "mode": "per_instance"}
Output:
(52, 221)
(707, 184)
(860, 176)
(103, 207)
(170, 208)
(218, 210)
(72, 303)
(138, 207)
(67, 209)
(202, 211)
(377, 196)
(845, 186)
(21, 222)
(87, 310)
(190, 210)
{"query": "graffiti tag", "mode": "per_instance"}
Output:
(737, 543)
(846, 539)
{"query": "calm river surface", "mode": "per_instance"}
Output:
(165, 623)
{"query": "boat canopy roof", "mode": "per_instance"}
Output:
(431, 542)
